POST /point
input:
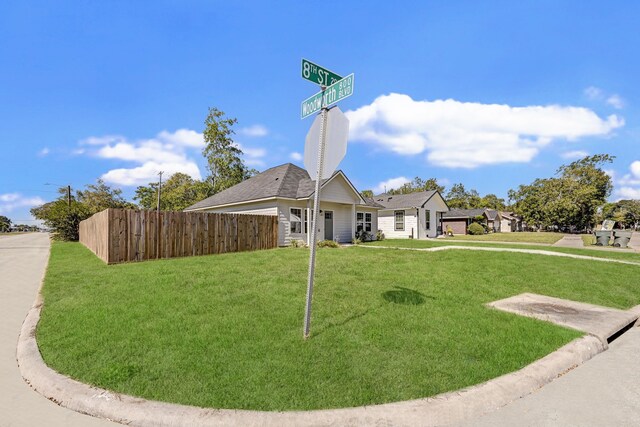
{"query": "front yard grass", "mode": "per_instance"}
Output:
(593, 251)
(525, 236)
(225, 331)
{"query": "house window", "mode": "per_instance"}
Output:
(295, 220)
(363, 221)
(427, 219)
(399, 221)
(306, 219)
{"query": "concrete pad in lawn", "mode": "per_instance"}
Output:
(602, 322)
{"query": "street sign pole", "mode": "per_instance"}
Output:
(314, 221)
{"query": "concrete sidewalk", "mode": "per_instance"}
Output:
(23, 259)
(603, 392)
(570, 241)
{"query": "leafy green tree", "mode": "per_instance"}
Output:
(367, 193)
(418, 184)
(178, 192)
(459, 198)
(63, 216)
(5, 224)
(223, 155)
(493, 202)
(626, 213)
(99, 196)
(571, 200)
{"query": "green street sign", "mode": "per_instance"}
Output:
(332, 94)
(316, 74)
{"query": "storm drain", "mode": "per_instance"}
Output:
(605, 323)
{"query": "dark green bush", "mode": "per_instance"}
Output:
(475, 229)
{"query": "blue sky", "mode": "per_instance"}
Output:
(490, 94)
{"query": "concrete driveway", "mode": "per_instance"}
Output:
(23, 260)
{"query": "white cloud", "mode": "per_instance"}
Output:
(468, 135)
(593, 92)
(102, 140)
(148, 172)
(169, 152)
(11, 201)
(254, 131)
(295, 156)
(45, 151)
(390, 184)
(615, 101)
(183, 137)
(574, 155)
(628, 193)
(628, 186)
(253, 156)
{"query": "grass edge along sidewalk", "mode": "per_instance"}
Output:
(392, 325)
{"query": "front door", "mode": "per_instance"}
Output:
(328, 225)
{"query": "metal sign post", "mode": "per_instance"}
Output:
(333, 89)
(314, 221)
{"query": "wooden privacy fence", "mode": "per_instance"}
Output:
(118, 235)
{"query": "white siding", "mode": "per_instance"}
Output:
(386, 222)
(338, 190)
(374, 217)
(434, 205)
(342, 231)
(284, 223)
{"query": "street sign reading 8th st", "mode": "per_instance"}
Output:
(317, 74)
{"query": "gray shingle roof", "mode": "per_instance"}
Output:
(470, 213)
(287, 181)
(403, 201)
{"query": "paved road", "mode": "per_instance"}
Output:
(605, 391)
(23, 260)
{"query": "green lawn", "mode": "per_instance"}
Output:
(525, 237)
(225, 331)
(622, 254)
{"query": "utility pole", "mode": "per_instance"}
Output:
(159, 189)
(69, 195)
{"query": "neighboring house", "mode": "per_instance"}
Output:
(414, 215)
(286, 191)
(509, 222)
(459, 219)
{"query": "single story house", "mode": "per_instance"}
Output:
(414, 215)
(286, 191)
(510, 222)
(459, 219)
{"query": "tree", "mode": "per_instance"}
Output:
(493, 202)
(222, 153)
(63, 216)
(98, 197)
(367, 193)
(5, 224)
(625, 212)
(459, 198)
(571, 200)
(418, 184)
(178, 192)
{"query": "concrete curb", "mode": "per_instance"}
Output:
(446, 408)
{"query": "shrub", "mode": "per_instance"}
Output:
(380, 235)
(363, 236)
(475, 229)
(295, 243)
(328, 244)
